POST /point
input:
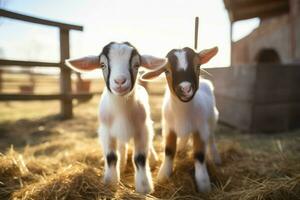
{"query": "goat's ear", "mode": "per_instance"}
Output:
(206, 54)
(148, 75)
(84, 64)
(152, 62)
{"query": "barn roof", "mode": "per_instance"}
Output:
(247, 9)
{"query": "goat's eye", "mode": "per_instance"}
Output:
(103, 65)
(136, 66)
(167, 72)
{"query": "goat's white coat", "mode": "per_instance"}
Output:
(198, 115)
(191, 116)
(125, 118)
(124, 114)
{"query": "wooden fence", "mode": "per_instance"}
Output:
(65, 96)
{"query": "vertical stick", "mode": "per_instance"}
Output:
(65, 75)
(196, 32)
(231, 42)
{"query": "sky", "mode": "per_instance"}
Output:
(153, 26)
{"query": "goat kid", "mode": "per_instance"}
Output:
(188, 108)
(124, 111)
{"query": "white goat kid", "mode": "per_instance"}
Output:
(124, 110)
(188, 108)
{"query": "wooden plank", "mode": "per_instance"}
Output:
(234, 113)
(246, 9)
(65, 75)
(294, 115)
(277, 84)
(29, 97)
(44, 97)
(36, 20)
(237, 4)
(84, 95)
(262, 11)
(270, 118)
(234, 82)
(4, 63)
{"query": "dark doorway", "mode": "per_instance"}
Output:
(268, 56)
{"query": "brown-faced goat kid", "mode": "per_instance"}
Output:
(188, 109)
(124, 111)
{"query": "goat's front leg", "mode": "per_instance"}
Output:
(201, 174)
(143, 178)
(166, 168)
(109, 146)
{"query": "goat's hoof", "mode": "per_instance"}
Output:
(203, 186)
(218, 160)
(144, 186)
(110, 179)
(162, 176)
(164, 172)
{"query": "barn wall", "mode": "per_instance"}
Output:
(234, 90)
(272, 33)
(258, 98)
(298, 37)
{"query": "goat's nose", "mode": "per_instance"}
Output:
(120, 80)
(185, 87)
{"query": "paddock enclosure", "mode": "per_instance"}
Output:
(49, 147)
(65, 94)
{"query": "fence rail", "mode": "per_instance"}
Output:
(22, 17)
(65, 97)
(45, 97)
(24, 63)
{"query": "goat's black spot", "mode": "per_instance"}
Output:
(133, 75)
(169, 152)
(199, 156)
(105, 52)
(140, 160)
(134, 52)
(111, 159)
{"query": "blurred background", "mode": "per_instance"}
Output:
(154, 27)
(48, 114)
(258, 43)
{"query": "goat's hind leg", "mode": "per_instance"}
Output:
(212, 144)
(201, 174)
(214, 151)
(166, 168)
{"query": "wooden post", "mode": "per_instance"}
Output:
(65, 76)
(293, 17)
(1, 81)
(196, 32)
(231, 42)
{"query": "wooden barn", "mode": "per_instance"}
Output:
(259, 92)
